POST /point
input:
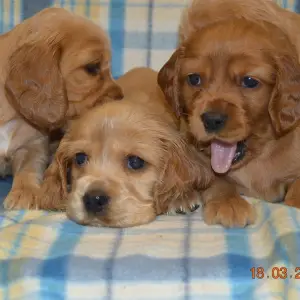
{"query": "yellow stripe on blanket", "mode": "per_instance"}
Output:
(25, 237)
(80, 7)
(11, 13)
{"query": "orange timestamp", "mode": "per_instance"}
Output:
(276, 273)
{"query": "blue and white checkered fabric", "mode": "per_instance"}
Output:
(45, 256)
(142, 32)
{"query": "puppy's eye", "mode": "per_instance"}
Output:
(249, 82)
(81, 158)
(135, 162)
(92, 69)
(194, 79)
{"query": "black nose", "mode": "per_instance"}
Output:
(94, 201)
(213, 121)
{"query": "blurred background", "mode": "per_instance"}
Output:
(142, 32)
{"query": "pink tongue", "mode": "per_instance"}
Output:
(222, 155)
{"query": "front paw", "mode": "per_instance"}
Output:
(22, 198)
(184, 210)
(232, 212)
(185, 205)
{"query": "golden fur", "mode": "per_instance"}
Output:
(226, 42)
(53, 67)
(142, 125)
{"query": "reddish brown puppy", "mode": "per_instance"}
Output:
(235, 78)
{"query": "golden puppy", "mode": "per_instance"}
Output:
(53, 67)
(128, 161)
(235, 78)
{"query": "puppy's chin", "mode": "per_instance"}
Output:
(113, 215)
(108, 220)
(124, 221)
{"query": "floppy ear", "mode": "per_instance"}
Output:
(54, 188)
(167, 79)
(284, 106)
(34, 85)
(110, 90)
(185, 172)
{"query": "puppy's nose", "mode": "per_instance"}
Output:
(213, 121)
(94, 201)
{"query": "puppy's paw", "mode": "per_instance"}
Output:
(184, 210)
(185, 205)
(22, 198)
(232, 212)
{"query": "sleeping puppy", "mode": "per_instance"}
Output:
(235, 79)
(53, 67)
(128, 161)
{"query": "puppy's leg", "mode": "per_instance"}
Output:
(292, 197)
(28, 165)
(223, 205)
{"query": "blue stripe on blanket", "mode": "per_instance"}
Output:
(11, 16)
(240, 262)
(110, 264)
(72, 5)
(117, 34)
(150, 40)
(58, 266)
(149, 32)
(294, 243)
(297, 6)
(31, 7)
(1, 16)
(6, 265)
(88, 8)
(186, 266)
(5, 186)
(145, 268)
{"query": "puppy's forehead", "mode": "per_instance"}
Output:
(56, 24)
(234, 37)
(82, 29)
(120, 120)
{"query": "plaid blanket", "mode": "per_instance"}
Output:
(45, 256)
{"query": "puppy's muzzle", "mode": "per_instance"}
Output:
(213, 121)
(95, 201)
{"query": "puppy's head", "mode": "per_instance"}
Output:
(237, 83)
(126, 166)
(60, 68)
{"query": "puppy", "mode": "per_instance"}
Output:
(128, 160)
(235, 79)
(53, 67)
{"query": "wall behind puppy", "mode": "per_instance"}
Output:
(143, 32)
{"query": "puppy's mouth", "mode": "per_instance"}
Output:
(224, 155)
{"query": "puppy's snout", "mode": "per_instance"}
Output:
(213, 121)
(95, 201)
